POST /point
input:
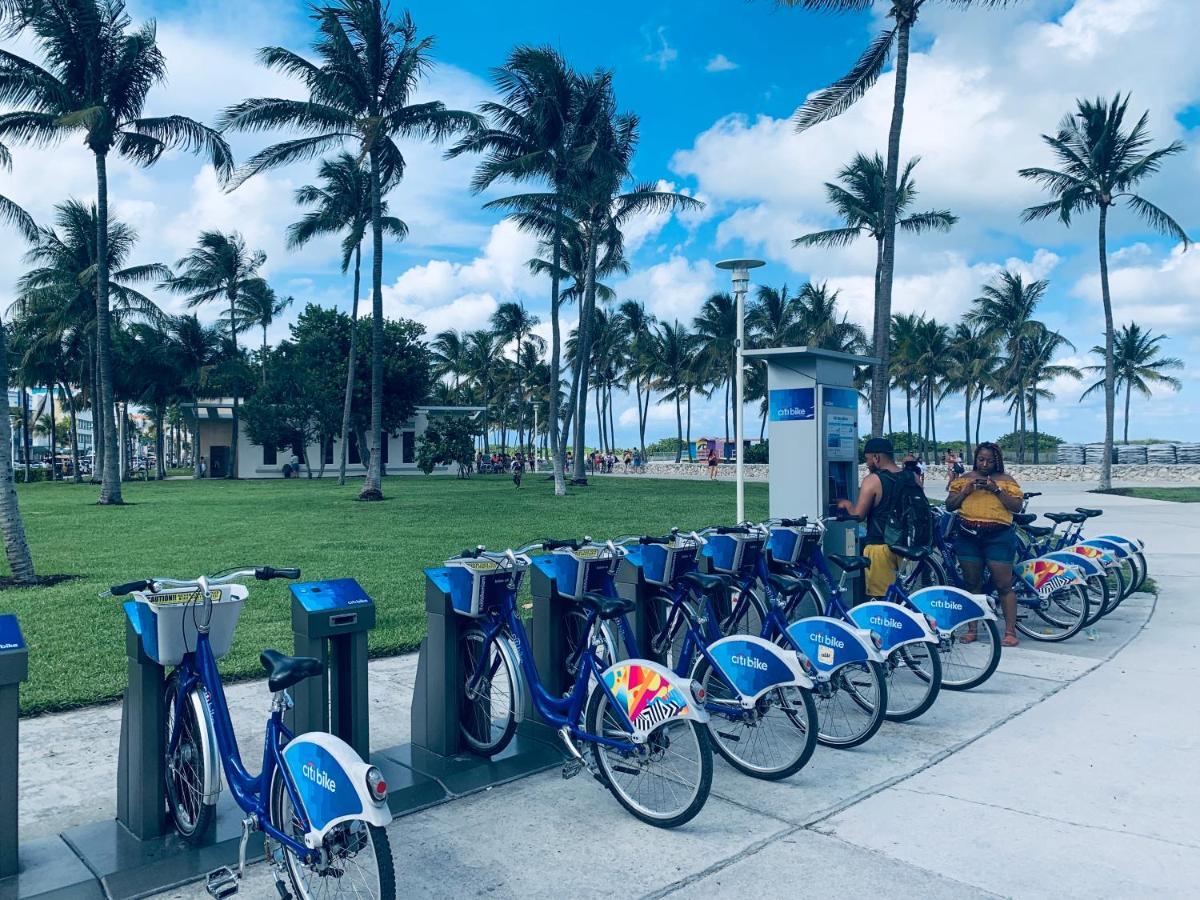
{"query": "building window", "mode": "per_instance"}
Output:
(327, 452)
(409, 447)
(355, 457)
(269, 456)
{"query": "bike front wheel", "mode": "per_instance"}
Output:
(914, 674)
(773, 740)
(488, 691)
(1055, 618)
(971, 655)
(664, 782)
(851, 705)
(355, 858)
(187, 765)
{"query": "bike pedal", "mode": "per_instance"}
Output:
(221, 882)
(571, 768)
(284, 893)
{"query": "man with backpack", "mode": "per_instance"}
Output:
(893, 504)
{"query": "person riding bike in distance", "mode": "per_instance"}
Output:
(876, 497)
(985, 499)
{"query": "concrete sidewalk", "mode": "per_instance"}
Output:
(1070, 773)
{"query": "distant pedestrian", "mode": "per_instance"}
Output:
(912, 464)
(713, 462)
(518, 468)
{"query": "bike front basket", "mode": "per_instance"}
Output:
(734, 554)
(661, 564)
(167, 621)
(479, 584)
(791, 544)
(584, 569)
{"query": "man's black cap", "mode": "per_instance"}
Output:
(879, 445)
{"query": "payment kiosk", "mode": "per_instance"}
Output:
(812, 424)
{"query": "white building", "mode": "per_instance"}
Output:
(399, 449)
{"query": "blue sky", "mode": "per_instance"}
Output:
(715, 84)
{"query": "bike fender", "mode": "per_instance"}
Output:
(830, 644)
(1044, 576)
(1081, 552)
(754, 665)
(208, 746)
(651, 694)
(1117, 548)
(951, 606)
(331, 781)
(894, 625)
(1092, 563)
(1134, 543)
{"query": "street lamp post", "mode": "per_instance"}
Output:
(740, 269)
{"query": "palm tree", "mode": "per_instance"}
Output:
(221, 268)
(931, 365)
(673, 350)
(1039, 353)
(16, 547)
(259, 306)
(343, 205)
(871, 201)
(449, 353)
(484, 362)
(197, 347)
(773, 319)
(513, 322)
(902, 359)
(818, 320)
(840, 96)
(1100, 164)
(716, 330)
(972, 362)
(361, 92)
(539, 131)
(1137, 366)
(98, 72)
(637, 327)
(1005, 311)
(10, 213)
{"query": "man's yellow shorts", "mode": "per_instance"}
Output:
(882, 572)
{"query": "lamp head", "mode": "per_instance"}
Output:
(740, 270)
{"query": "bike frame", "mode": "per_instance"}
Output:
(199, 670)
(563, 711)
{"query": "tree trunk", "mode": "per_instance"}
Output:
(967, 423)
(373, 483)
(16, 548)
(1110, 396)
(98, 421)
(74, 426)
(1036, 439)
(883, 302)
(679, 428)
(687, 442)
(612, 424)
(110, 490)
(558, 447)
(348, 401)
(160, 446)
(978, 419)
(889, 410)
(727, 407)
(233, 450)
(933, 420)
(583, 353)
(908, 407)
(1128, 394)
(123, 439)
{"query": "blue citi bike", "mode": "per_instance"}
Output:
(641, 725)
(321, 809)
(762, 718)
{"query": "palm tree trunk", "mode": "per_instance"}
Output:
(348, 400)
(123, 438)
(1128, 394)
(75, 476)
(978, 417)
(908, 406)
(933, 420)
(26, 443)
(373, 483)
(1036, 439)
(558, 444)
(54, 433)
(16, 548)
(762, 429)
(679, 427)
(883, 302)
(160, 445)
(264, 355)
(233, 450)
(110, 490)
(727, 410)
(889, 410)
(98, 421)
(687, 443)
(612, 424)
(584, 352)
(1110, 395)
(967, 422)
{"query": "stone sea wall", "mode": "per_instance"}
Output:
(1179, 474)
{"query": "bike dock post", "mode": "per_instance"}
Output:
(548, 634)
(141, 759)
(330, 622)
(437, 750)
(632, 585)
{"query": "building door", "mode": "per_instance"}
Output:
(219, 465)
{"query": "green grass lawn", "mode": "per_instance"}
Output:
(1175, 494)
(188, 528)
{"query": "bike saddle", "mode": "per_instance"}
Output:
(1024, 518)
(604, 606)
(706, 584)
(786, 584)
(850, 563)
(1038, 531)
(1089, 513)
(1059, 518)
(909, 552)
(284, 671)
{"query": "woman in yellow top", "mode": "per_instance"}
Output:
(986, 499)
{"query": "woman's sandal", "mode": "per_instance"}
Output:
(969, 638)
(1010, 640)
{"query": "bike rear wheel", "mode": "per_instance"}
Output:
(1100, 598)
(1057, 617)
(851, 705)
(666, 781)
(489, 717)
(356, 858)
(772, 741)
(187, 767)
(914, 674)
(969, 664)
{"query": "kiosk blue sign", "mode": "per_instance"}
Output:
(793, 404)
(10, 634)
(320, 596)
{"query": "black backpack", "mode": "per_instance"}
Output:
(908, 520)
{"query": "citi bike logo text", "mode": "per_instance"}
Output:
(886, 622)
(827, 639)
(10, 646)
(945, 604)
(319, 777)
(750, 662)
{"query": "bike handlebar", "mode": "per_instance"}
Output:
(651, 539)
(121, 590)
(732, 529)
(262, 573)
(557, 544)
(1029, 495)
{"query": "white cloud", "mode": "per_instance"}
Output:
(720, 63)
(660, 53)
(1161, 292)
(671, 290)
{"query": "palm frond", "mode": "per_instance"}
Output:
(1157, 218)
(834, 237)
(847, 90)
(934, 220)
(182, 133)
